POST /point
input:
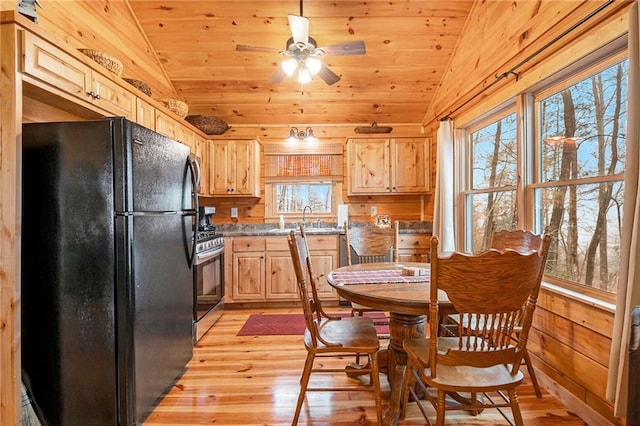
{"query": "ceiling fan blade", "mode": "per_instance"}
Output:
(328, 76)
(344, 49)
(277, 76)
(247, 48)
(299, 28)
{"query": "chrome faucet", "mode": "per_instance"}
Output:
(304, 216)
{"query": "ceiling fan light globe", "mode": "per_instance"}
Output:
(289, 66)
(313, 65)
(303, 75)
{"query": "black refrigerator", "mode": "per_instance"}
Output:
(108, 222)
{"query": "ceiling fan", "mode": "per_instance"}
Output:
(304, 55)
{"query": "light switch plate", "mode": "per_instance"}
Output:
(374, 211)
(234, 212)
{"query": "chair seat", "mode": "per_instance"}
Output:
(454, 378)
(352, 333)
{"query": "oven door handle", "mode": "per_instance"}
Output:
(204, 257)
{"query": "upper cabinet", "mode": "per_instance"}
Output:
(202, 152)
(234, 168)
(388, 165)
(72, 79)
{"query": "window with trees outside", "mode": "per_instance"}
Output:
(573, 174)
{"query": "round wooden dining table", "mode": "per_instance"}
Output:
(383, 286)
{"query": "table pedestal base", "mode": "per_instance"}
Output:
(402, 326)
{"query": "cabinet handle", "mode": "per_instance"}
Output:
(96, 96)
(93, 94)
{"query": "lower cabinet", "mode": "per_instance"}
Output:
(262, 270)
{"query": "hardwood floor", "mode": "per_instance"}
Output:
(254, 380)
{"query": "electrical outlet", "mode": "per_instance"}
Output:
(234, 212)
(373, 211)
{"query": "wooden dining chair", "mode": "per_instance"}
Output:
(494, 292)
(522, 241)
(327, 336)
(368, 244)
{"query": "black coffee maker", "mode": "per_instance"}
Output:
(206, 218)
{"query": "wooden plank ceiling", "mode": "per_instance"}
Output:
(423, 57)
(408, 43)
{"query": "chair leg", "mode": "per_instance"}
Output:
(304, 382)
(532, 374)
(375, 381)
(355, 313)
(515, 407)
(440, 408)
(408, 376)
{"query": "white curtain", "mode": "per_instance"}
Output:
(629, 286)
(443, 215)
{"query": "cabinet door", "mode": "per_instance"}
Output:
(369, 166)
(166, 125)
(281, 278)
(246, 166)
(112, 97)
(187, 137)
(410, 166)
(324, 261)
(202, 152)
(248, 276)
(145, 114)
(219, 173)
(51, 65)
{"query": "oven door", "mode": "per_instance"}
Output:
(208, 282)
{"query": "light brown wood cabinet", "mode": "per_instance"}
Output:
(262, 270)
(414, 247)
(234, 168)
(145, 114)
(167, 125)
(248, 268)
(66, 76)
(388, 165)
(202, 152)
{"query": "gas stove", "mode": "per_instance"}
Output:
(208, 240)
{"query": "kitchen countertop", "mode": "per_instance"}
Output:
(323, 228)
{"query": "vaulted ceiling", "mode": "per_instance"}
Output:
(422, 58)
(408, 46)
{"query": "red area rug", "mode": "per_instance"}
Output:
(288, 324)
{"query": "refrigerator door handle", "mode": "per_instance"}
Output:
(158, 213)
(194, 168)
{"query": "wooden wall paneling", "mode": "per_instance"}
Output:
(35, 111)
(576, 366)
(577, 311)
(496, 39)
(588, 342)
(10, 224)
(611, 25)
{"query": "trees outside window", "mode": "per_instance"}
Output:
(573, 174)
(578, 194)
(492, 154)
